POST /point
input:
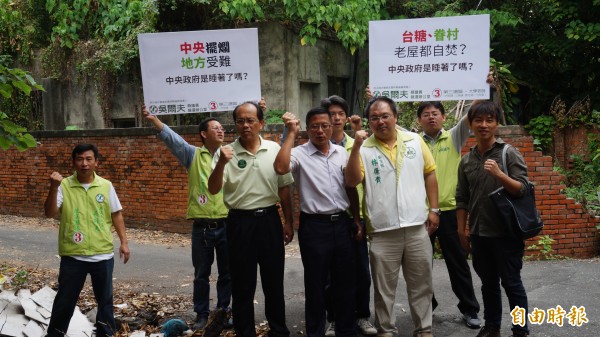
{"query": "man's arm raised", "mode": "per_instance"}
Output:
(215, 181)
(50, 205)
(158, 125)
(353, 174)
(282, 161)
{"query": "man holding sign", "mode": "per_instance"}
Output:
(206, 210)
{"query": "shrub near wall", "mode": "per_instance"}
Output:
(152, 185)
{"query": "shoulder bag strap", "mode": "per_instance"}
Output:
(504, 150)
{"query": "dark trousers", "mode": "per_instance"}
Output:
(499, 261)
(327, 254)
(455, 258)
(205, 242)
(71, 278)
(363, 282)
(256, 240)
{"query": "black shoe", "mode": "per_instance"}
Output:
(488, 331)
(216, 324)
(519, 333)
(199, 322)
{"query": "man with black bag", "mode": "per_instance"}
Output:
(497, 255)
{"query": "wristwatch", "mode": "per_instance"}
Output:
(436, 211)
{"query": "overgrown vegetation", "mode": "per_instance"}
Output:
(583, 180)
(14, 85)
(541, 128)
(544, 249)
(99, 38)
(11, 277)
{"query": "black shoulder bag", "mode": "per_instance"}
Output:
(520, 214)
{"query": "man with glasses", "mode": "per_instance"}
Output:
(326, 231)
(398, 174)
(206, 210)
(446, 145)
(255, 235)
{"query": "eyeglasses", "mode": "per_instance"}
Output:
(218, 128)
(316, 127)
(383, 118)
(242, 121)
(427, 114)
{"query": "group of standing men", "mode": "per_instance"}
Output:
(234, 192)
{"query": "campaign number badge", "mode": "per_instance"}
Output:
(78, 237)
(202, 199)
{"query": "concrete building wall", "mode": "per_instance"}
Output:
(293, 78)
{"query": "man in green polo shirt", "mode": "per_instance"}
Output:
(251, 189)
(89, 208)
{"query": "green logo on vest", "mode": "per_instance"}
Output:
(100, 198)
(410, 153)
(242, 163)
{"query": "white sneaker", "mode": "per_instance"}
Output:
(366, 328)
(330, 331)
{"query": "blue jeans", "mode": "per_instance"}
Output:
(499, 261)
(205, 241)
(71, 278)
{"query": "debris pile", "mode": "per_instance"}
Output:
(26, 314)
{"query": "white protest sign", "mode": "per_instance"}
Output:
(432, 59)
(200, 71)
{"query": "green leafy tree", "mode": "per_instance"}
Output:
(13, 80)
(555, 48)
(349, 19)
(98, 37)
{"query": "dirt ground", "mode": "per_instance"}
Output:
(134, 307)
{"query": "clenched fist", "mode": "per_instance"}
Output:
(55, 179)
(226, 154)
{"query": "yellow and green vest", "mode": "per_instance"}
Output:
(202, 204)
(85, 218)
(447, 159)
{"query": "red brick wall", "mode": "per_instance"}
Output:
(152, 185)
(570, 141)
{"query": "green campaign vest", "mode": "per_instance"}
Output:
(447, 160)
(85, 218)
(202, 204)
(359, 187)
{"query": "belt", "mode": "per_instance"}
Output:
(324, 217)
(210, 223)
(253, 212)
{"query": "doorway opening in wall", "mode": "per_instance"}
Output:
(123, 123)
(338, 86)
